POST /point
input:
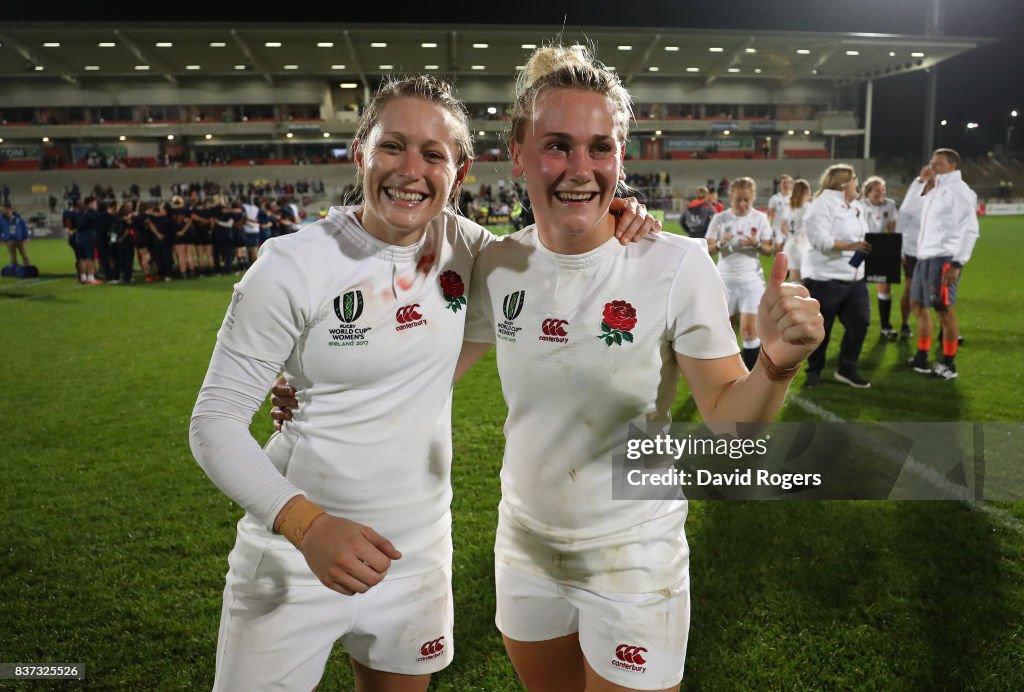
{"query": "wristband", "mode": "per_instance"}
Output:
(297, 518)
(773, 372)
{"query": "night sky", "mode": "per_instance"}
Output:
(983, 85)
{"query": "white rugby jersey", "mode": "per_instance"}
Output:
(743, 264)
(908, 223)
(778, 203)
(879, 217)
(586, 343)
(369, 335)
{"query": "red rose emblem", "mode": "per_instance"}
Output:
(453, 289)
(619, 315)
(617, 322)
(451, 285)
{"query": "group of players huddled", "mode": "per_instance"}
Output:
(175, 238)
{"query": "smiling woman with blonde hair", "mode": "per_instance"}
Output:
(594, 594)
(835, 229)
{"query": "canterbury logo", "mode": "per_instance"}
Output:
(408, 314)
(631, 654)
(433, 648)
(513, 304)
(554, 327)
(349, 307)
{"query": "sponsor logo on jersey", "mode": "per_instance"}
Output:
(554, 330)
(511, 307)
(617, 323)
(453, 289)
(408, 317)
(431, 649)
(349, 307)
(630, 657)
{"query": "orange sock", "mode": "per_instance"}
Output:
(924, 343)
(949, 348)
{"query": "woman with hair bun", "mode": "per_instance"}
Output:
(594, 594)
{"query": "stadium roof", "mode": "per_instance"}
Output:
(83, 52)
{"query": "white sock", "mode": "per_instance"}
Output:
(753, 343)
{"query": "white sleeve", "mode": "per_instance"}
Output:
(479, 313)
(965, 209)
(698, 310)
(818, 227)
(232, 392)
(270, 306)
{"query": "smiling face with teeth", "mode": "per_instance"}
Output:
(572, 155)
(409, 168)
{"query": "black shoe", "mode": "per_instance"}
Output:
(888, 333)
(905, 333)
(920, 363)
(813, 380)
(960, 340)
(852, 379)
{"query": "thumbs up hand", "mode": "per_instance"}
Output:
(789, 321)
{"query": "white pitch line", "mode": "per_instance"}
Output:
(1001, 517)
(38, 282)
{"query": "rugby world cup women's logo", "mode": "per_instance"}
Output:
(617, 322)
(349, 307)
(513, 305)
(453, 289)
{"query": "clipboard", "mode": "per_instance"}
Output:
(883, 265)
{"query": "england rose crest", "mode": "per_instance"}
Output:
(453, 289)
(617, 322)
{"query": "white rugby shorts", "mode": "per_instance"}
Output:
(636, 640)
(744, 297)
(279, 637)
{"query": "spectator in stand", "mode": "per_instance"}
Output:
(698, 214)
(949, 230)
(14, 232)
(880, 214)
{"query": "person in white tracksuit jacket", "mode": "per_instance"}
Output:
(949, 229)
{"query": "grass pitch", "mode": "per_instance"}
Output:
(113, 541)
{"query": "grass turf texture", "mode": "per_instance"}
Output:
(113, 543)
